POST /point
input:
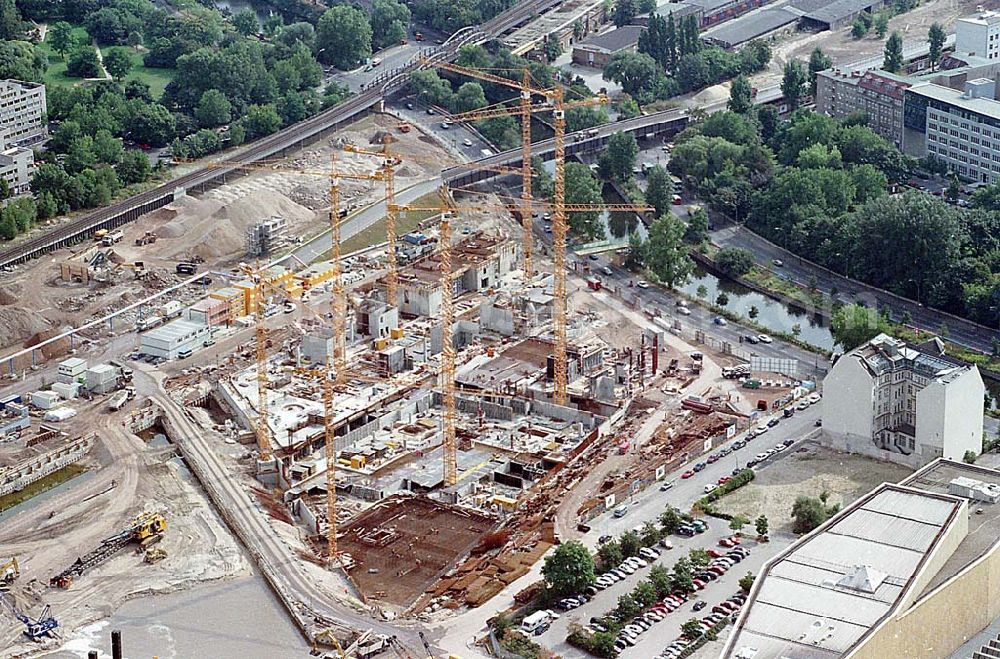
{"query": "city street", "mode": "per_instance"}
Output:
(648, 505)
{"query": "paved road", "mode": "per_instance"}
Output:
(960, 330)
(648, 505)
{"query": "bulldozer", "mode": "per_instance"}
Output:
(155, 555)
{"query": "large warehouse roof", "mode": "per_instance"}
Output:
(823, 594)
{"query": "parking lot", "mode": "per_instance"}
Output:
(648, 505)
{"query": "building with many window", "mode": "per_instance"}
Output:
(22, 113)
(905, 403)
(961, 128)
(978, 35)
(878, 94)
(17, 166)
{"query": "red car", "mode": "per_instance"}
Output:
(725, 479)
(699, 584)
(687, 474)
(726, 542)
(715, 553)
(735, 539)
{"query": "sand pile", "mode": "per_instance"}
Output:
(211, 228)
(18, 323)
(7, 297)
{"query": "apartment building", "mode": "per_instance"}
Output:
(901, 402)
(978, 35)
(878, 94)
(961, 128)
(22, 113)
(17, 166)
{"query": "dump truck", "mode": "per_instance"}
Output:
(114, 237)
(146, 530)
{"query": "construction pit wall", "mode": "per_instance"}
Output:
(39, 455)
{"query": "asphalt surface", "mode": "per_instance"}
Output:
(647, 506)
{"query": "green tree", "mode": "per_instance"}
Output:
(151, 123)
(722, 299)
(134, 167)
(583, 188)
(627, 607)
(853, 325)
(818, 61)
(746, 582)
(631, 544)
(60, 37)
(672, 43)
(859, 28)
(738, 522)
(740, 95)
(246, 23)
(469, 96)
(691, 629)
(659, 576)
(881, 24)
(670, 520)
(666, 252)
(636, 251)
(618, 158)
(624, 12)
(701, 292)
(107, 147)
(699, 557)
(697, 228)
(793, 83)
(581, 118)
(644, 594)
(734, 261)
(953, 190)
(761, 526)
(343, 36)
(753, 312)
(118, 63)
(893, 61)
(637, 73)
(650, 534)
(935, 38)
(553, 47)
(5, 192)
(602, 644)
(681, 577)
(808, 513)
(83, 63)
(214, 109)
(969, 457)
(659, 190)
(261, 120)
(431, 88)
(569, 569)
(627, 108)
(389, 20)
(610, 554)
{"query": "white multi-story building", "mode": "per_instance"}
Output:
(961, 128)
(17, 166)
(22, 113)
(978, 35)
(904, 403)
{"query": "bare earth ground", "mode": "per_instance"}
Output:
(212, 227)
(809, 470)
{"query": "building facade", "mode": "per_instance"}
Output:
(961, 128)
(22, 113)
(17, 166)
(599, 49)
(978, 35)
(903, 403)
(840, 93)
(173, 339)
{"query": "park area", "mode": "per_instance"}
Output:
(56, 72)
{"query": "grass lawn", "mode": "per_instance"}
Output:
(375, 234)
(41, 485)
(56, 73)
(157, 79)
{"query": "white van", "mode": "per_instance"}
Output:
(184, 353)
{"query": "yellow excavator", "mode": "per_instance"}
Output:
(146, 530)
(9, 571)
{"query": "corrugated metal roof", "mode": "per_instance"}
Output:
(816, 599)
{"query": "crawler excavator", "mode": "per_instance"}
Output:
(146, 530)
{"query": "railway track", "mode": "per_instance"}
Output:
(128, 210)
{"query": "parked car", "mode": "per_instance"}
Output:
(642, 283)
(699, 605)
(764, 338)
(687, 474)
(720, 321)
(813, 399)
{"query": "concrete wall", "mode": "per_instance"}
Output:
(963, 412)
(848, 401)
(420, 301)
(20, 475)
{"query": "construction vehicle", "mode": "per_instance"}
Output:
(34, 628)
(99, 234)
(155, 555)
(147, 238)
(147, 529)
(114, 237)
(9, 571)
(186, 268)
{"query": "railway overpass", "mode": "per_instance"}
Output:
(128, 210)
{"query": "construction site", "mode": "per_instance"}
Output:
(402, 431)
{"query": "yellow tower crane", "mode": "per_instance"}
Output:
(559, 227)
